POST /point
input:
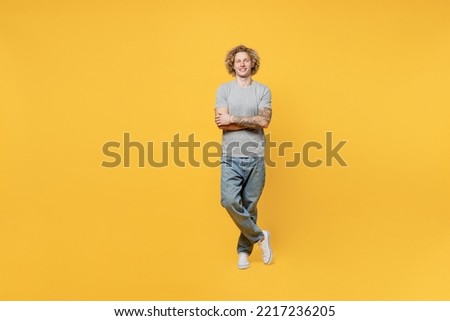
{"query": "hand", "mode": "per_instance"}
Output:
(223, 119)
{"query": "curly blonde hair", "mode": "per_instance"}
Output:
(229, 59)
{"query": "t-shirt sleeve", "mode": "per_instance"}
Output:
(266, 99)
(221, 97)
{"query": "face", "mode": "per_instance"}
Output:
(242, 65)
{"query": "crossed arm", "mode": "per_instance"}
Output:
(231, 122)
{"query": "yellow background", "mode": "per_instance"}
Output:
(77, 74)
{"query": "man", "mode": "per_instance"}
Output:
(243, 110)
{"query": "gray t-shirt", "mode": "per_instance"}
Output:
(243, 102)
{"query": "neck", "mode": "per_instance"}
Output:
(244, 82)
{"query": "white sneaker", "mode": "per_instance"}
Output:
(264, 244)
(243, 262)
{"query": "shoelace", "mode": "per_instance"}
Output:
(264, 247)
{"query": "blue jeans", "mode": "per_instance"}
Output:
(242, 183)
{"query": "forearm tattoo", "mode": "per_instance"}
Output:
(260, 121)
